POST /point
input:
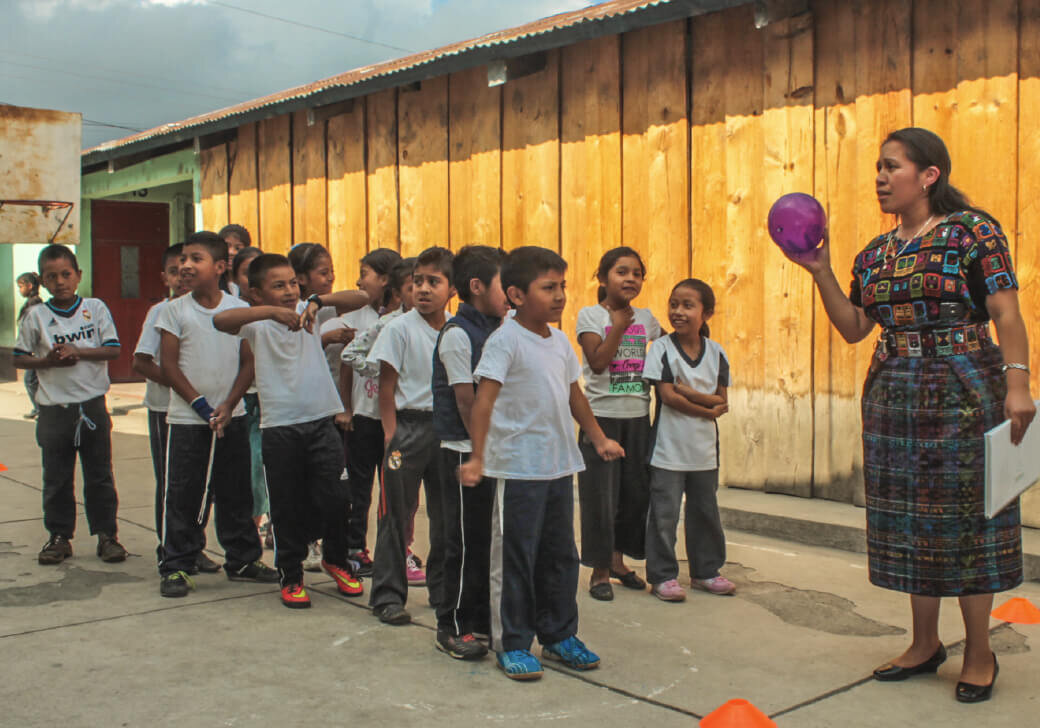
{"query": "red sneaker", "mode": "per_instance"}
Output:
(348, 583)
(295, 596)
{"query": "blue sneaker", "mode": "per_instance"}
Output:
(520, 665)
(573, 653)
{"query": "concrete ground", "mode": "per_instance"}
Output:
(91, 644)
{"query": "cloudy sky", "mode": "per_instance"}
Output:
(141, 63)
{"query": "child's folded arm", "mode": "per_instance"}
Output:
(701, 398)
(666, 392)
(345, 301)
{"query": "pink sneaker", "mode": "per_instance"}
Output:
(716, 585)
(416, 576)
(669, 591)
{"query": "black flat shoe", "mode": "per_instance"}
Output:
(631, 580)
(604, 592)
(968, 693)
(894, 673)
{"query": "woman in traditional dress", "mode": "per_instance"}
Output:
(936, 384)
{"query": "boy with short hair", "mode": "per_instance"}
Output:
(299, 414)
(69, 341)
(523, 436)
(404, 351)
(207, 453)
(157, 393)
(467, 511)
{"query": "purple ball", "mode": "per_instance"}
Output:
(796, 222)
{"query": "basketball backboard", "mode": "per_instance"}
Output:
(39, 175)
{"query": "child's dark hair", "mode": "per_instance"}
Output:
(261, 264)
(244, 256)
(707, 297)
(609, 259)
(400, 274)
(439, 258)
(238, 231)
(522, 265)
(174, 251)
(382, 260)
(475, 261)
(304, 257)
(212, 242)
(56, 251)
(33, 280)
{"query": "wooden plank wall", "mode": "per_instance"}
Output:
(675, 139)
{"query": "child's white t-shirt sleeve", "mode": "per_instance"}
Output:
(573, 365)
(456, 355)
(496, 358)
(389, 347)
(591, 322)
(656, 364)
(148, 342)
(28, 336)
(106, 326)
(169, 321)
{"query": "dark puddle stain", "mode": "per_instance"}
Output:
(75, 584)
(7, 548)
(817, 610)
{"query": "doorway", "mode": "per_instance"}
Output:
(129, 239)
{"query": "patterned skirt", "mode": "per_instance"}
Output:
(924, 466)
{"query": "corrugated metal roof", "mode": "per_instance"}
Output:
(557, 30)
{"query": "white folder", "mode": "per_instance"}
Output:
(1010, 469)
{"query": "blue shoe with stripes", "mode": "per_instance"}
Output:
(519, 665)
(573, 653)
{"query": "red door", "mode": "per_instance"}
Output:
(128, 243)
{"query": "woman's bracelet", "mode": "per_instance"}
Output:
(1013, 365)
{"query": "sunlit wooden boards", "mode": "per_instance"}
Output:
(422, 160)
(243, 186)
(531, 158)
(214, 187)
(475, 159)
(590, 167)
(310, 217)
(381, 168)
(274, 168)
(347, 201)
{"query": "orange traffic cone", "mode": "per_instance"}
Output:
(1019, 610)
(737, 713)
(2, 467)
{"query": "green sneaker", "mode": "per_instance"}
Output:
(177, 584)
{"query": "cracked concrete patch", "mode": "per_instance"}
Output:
(1005, 640)
(809, 608)
(75, 584)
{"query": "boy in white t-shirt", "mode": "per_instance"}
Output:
(523, 436)
(69, 341)
(207, 451)
(157, 392)
(404, 351)
(299, 414)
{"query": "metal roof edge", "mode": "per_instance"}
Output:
(652, 13)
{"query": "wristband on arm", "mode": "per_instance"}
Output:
(202, 408)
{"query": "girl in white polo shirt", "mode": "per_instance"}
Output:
(692, 375)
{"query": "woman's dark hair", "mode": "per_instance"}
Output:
(382, 260)
(607, 262)
(707, 298)
(34, 283)
(238, 231)
(400, 274)
(304, 257)
(242, 257)
(926, 149)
